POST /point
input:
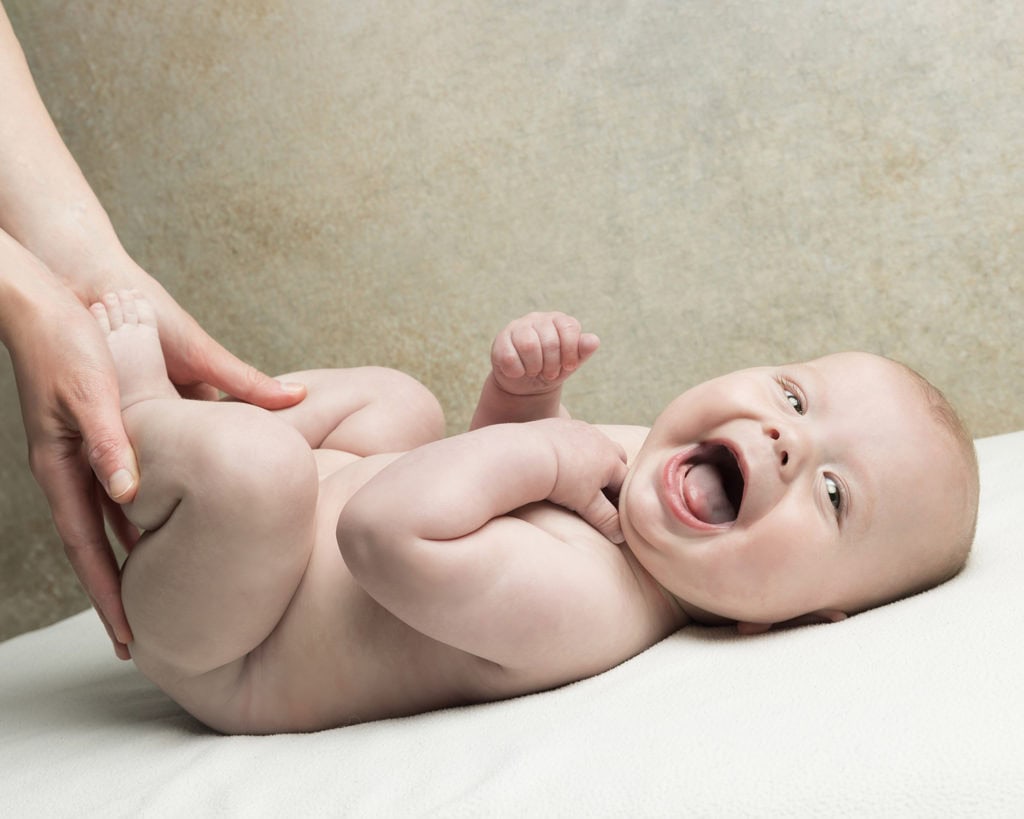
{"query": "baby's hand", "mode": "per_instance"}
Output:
(590, 471)
(538, 352)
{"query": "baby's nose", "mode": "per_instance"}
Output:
(787, 445)
(780, 451)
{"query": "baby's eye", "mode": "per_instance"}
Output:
(792, 393)
(794, 400)
(834, 495)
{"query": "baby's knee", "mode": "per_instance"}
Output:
(413, 410)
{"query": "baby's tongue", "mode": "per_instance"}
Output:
(705, 495)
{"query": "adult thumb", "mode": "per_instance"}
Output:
(109, 453)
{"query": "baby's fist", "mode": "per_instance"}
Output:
(590, 467)
(538, 352)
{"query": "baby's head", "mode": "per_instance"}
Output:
(811, 490)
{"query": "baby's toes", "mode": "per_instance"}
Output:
(144, 309)
(99, 312)
(129, 313)
(114, 315)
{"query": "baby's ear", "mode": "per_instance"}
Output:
(820, 616)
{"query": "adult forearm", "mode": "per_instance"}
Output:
(26, 285)
(45, 201)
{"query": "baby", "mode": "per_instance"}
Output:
(340, 561)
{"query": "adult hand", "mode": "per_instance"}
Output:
(71, 410)
(58, 254)
(196, 364)
(69, 404)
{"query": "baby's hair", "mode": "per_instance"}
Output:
(949, 421)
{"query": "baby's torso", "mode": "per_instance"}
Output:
(338, 657)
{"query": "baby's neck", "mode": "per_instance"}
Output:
(670, 606)
(681, 610)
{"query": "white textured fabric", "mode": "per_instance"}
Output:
(912, 709)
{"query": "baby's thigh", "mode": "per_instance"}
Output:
(228, 496)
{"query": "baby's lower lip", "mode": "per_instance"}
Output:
(672, 489)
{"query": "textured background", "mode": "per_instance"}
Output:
(708, 185)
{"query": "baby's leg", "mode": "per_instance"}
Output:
(364, 410)
(227, 499)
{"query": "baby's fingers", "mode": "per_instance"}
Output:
(575, 346)
(545, 346)
(554, 347)
(533, 342)
(601, 512)
(505, 357)
(603, 516)
(586, 347)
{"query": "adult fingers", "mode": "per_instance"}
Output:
(69, 488)
(198, 392)
(207, 362)
(120, 649)
(125, 531)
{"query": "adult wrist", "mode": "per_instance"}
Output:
(27, 287)
(77, 244)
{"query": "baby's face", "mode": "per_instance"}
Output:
(777, 492)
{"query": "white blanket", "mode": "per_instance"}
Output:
(911, 709)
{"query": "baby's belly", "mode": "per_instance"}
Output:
(338, 657)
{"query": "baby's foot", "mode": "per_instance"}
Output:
(129, 323)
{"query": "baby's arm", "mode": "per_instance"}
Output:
(431, 539)
(530, 360)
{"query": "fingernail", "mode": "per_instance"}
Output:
(292, 387)
(121, 483)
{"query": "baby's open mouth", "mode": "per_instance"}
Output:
(712, 484)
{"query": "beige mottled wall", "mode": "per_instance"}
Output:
(707, 184)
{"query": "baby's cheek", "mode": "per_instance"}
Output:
(786, 546)
(639, 504)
